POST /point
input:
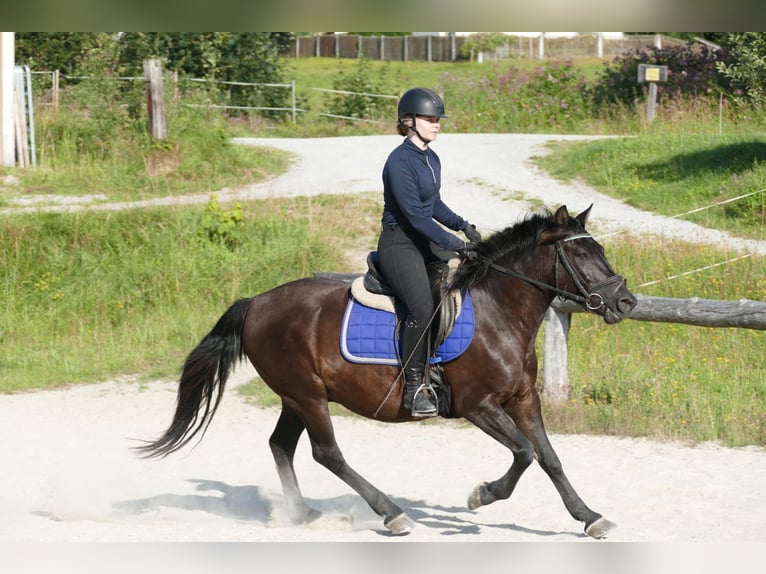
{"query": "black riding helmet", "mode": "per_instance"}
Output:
(421, 102)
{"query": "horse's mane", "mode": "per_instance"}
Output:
(511, 242)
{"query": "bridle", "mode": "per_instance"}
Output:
(589, 297)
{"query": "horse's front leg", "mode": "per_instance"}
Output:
(527, 415)
(493, 420)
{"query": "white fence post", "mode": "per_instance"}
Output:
(7, 99)
(555, 372)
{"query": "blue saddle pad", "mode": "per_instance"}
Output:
(368, 335)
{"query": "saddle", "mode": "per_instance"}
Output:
(372, 290)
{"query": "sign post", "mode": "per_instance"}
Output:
(652, 74)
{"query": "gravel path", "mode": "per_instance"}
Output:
(488, 178)
(481, 176)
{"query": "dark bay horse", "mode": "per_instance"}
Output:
(291, 336)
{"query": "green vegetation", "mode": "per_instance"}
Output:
(95, 294)
(92, 295)
(665, 380)
(672, 171)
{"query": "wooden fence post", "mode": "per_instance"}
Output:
(55, 89)
(555, 371)
(155, 100)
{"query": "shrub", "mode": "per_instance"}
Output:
(546, 98)
(747, 66)
(219, 226)
(692, 73)
(482, 42)
(361, 104)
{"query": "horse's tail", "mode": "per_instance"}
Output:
(203, 381)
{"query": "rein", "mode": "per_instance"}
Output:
(592, 300)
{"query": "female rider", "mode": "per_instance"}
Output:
(412, 212)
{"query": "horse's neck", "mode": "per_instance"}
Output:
(521, 301)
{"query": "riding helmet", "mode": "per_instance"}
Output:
(421, 102)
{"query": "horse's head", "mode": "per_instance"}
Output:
(583, 271)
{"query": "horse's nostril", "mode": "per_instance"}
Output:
(627, 304)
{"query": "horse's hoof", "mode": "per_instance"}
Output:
(309, 515)
(400, 524)
(481, 496)
(600, 528)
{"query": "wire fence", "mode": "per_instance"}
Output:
(348, 93)
(54, 96)
(690, 212)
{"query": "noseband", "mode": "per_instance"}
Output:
(590, 298)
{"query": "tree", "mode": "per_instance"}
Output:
(251, 57)
(63, 51)
(747, 66)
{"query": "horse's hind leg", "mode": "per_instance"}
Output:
(316, 416)
(283, 442)
(527, 415)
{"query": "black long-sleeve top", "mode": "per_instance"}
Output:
(411, 195)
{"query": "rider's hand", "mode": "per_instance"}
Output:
(471, 233)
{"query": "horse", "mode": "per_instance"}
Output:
(291, 334)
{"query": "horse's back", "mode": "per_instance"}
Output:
(298, 303)
(290, 327)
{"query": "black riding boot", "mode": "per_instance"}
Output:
(417, 392)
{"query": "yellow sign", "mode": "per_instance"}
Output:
(652, 74)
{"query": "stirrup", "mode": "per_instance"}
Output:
(433, 408)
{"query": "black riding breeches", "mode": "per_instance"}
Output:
(402, 258)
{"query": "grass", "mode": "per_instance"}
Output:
(669, 381)
(119, 162)
(672, 173)
(459, 82)
(666, 381)
(91, 295)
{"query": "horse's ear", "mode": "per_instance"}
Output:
(583, 217)
(561, 217)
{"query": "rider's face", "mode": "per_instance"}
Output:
(428, 127)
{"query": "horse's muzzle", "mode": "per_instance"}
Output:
(617, 305)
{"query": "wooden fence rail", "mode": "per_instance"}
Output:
(744, 314)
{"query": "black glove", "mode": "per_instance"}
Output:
(471, 233)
